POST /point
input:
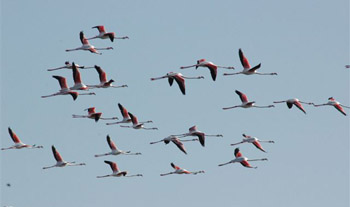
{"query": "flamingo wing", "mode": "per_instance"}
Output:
(213, 70)
(171, 81)
(102, 75)
(181, 82)
(62, 81)
(179, 144)
(111, 143)
(74, 94)
(255, 68)
(193, 129)
(83, 40)
(258, 145)
(238, 153)
(242, 96)
(100, 28)
(56, 154)
(340, 109)
(13, 136)
(246, 164)
(133, 118)
(298, 104)
(244, 60)
(113, 165)
(201, 137)
(76, 74)
(174, 166)
(91, 110)
(111, 36)
(123, 111)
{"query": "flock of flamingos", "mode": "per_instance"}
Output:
(128, 117)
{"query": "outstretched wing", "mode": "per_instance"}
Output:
(13, 136)
(298, 104)
(111, 143)
(62, 81)
(83, 40)
(244, 60)
(213, 70)
(133, 118)
(113, 165)
(76, 74)
(179, 144)
(238, 153)
(56, 154)
(102, 75)
(242, 96)
(175, 167)
(340, 109)
(123, 111)
(181, 82)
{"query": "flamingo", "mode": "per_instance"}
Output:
(103, 80)
(179, 78)
(246, 103)
(138, 125)
(125, 114)
(104, 35)
(211, 66)
(60, 161)
(193, 131)
(18, 143)
(296, 102)
(115, 150)
(65, 90)
(255, 141)
(78, 84)
(116, 171)
(243, 160)
(336, 104)
(347, 66)
(247, 69)
(86, 46)
(176, 141)
(93, 115)
(68, 65)
(179, 170)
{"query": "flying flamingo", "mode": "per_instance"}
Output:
(255, 141)
(115, 150)
(336, 104)
(104, 35)
(125, 114)
(138, 125)
(243, 160)
(246, 103)
(86, 46)
(193, 131)
(179, 170)
(93, 115)
(65, 90)
(60, 161)
(68, 66)
(176, 141)
(296, 102)
(18, 143)
(103, 80)
(179, 78)
(211, 66)
(247, 69)
(116, 171)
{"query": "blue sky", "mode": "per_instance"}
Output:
(305, 42)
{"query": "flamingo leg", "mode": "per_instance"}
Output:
(166, 174)
(184, 67)
(49, 167)
(237, 143)
(232, 73)
(100, 155)
(103, 176)
(154, 128)
(225, 163)
(226, 108)
(156, 141)
(134, 175)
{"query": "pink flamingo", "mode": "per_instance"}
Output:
(78, 84)
(104, 35)
(243, 160)
(86, 46)
(193, 131)
(179, 78)
(296, 102)
(68, 66)
(18, 143)
(138, 125)
(115, 150)
(125, 114)
(92, 114)
(65, 90)
(255, 141)
(247, 69)
(103, 80)
(211, 66)
(246, 103)
(176, 141)
(336, 104)
(116, 171)
(60, 161)
(179, 170)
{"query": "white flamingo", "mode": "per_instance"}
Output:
(18, 143)
(68, 65)
(92, 114)
(336, 104)
(60, 162)
(179, 78)
(138, 125)
(246, 103)
(65, 90)
(176, 141)
(247, 69)
(243, 160)
(296, 102)
(211, 66)
(103, 80)
(255, 141)
(115, 150)
(104, 35)
(193, 131)
(116, 171)
(125, 114)
(86, 46)
(179, 170)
